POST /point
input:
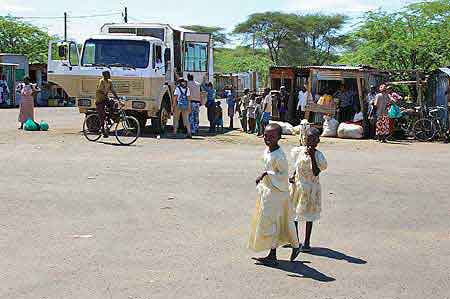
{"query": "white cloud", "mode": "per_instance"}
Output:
(338, 6)
(12, 6)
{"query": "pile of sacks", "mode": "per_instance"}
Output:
(287, 128)
(353, 130)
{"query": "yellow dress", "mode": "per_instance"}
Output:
(272, 225)
(306, 192)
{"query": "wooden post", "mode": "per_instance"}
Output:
(361, 101)
(310, 92)
(418, 89)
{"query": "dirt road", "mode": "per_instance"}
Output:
(169, 218)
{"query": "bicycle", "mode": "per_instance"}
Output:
(431, 127)
(405, 124)
(127, 129)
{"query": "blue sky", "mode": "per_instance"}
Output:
(205, 12)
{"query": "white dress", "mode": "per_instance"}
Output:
(272, 225)
(306, 192)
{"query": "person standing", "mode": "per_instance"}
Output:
(251, 114)
(305, 188)
(4, 90)
(210, 105)
(104, 87)
(303, 97)
(381, 105)
(372, 113)
(181, 105)
(194, 116)
(231, 102)
(27, 93)
(244, 106)
(258, 116)
(267, 109)
(346, 103)
(282, 104)
(272, 224)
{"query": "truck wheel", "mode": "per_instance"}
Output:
(159, 123)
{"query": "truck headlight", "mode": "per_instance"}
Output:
(138, 105)
(84, 103)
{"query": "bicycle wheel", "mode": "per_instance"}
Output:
(128, 130)
(424, 130)
(92, 127)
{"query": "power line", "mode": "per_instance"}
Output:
(70, 17)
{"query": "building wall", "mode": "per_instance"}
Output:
(22, 70)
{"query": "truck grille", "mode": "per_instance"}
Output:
(122, 87)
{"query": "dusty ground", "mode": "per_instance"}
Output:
(169, 218)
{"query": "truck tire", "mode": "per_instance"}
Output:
(159, 123)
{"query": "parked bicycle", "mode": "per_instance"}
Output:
(431, 126)
(127, 129)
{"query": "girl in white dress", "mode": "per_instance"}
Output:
(272, 224)
(305, 189)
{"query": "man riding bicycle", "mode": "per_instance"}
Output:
(104, 87)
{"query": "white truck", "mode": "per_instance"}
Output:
(144, 61)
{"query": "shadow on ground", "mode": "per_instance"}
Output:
(333, 254)
(299, 269)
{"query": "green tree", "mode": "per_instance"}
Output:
(242, 59)
(318, 40)
(416, 38)
(22, 38)
(272, 30)
(219, 37)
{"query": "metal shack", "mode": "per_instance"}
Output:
(318, 78)
(21, 70)
(239, 81)
(438, 91)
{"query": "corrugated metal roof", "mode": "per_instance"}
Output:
(445, 70)
(338, 67)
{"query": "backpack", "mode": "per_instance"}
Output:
(182, 101)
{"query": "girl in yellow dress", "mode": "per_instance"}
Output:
(273, 224)
(305, 189)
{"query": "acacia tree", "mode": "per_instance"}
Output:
(272, 30)
(322, 36)
(219, 37)
(22, 38)
(317, 40)
(416, 38)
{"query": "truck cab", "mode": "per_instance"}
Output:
(144, 62)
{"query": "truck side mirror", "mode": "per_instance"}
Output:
(62, 51)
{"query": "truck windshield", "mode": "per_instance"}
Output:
(125, 53)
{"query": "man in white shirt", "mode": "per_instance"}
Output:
(303, 97)
(267, 108)
(181, 105)
(196, 102)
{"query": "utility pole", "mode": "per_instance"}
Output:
(125, 15)
(65, 26)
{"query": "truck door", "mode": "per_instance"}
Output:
(197, 55)
(63, 57)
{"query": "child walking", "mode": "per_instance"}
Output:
(272, 225)
(305, 189)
